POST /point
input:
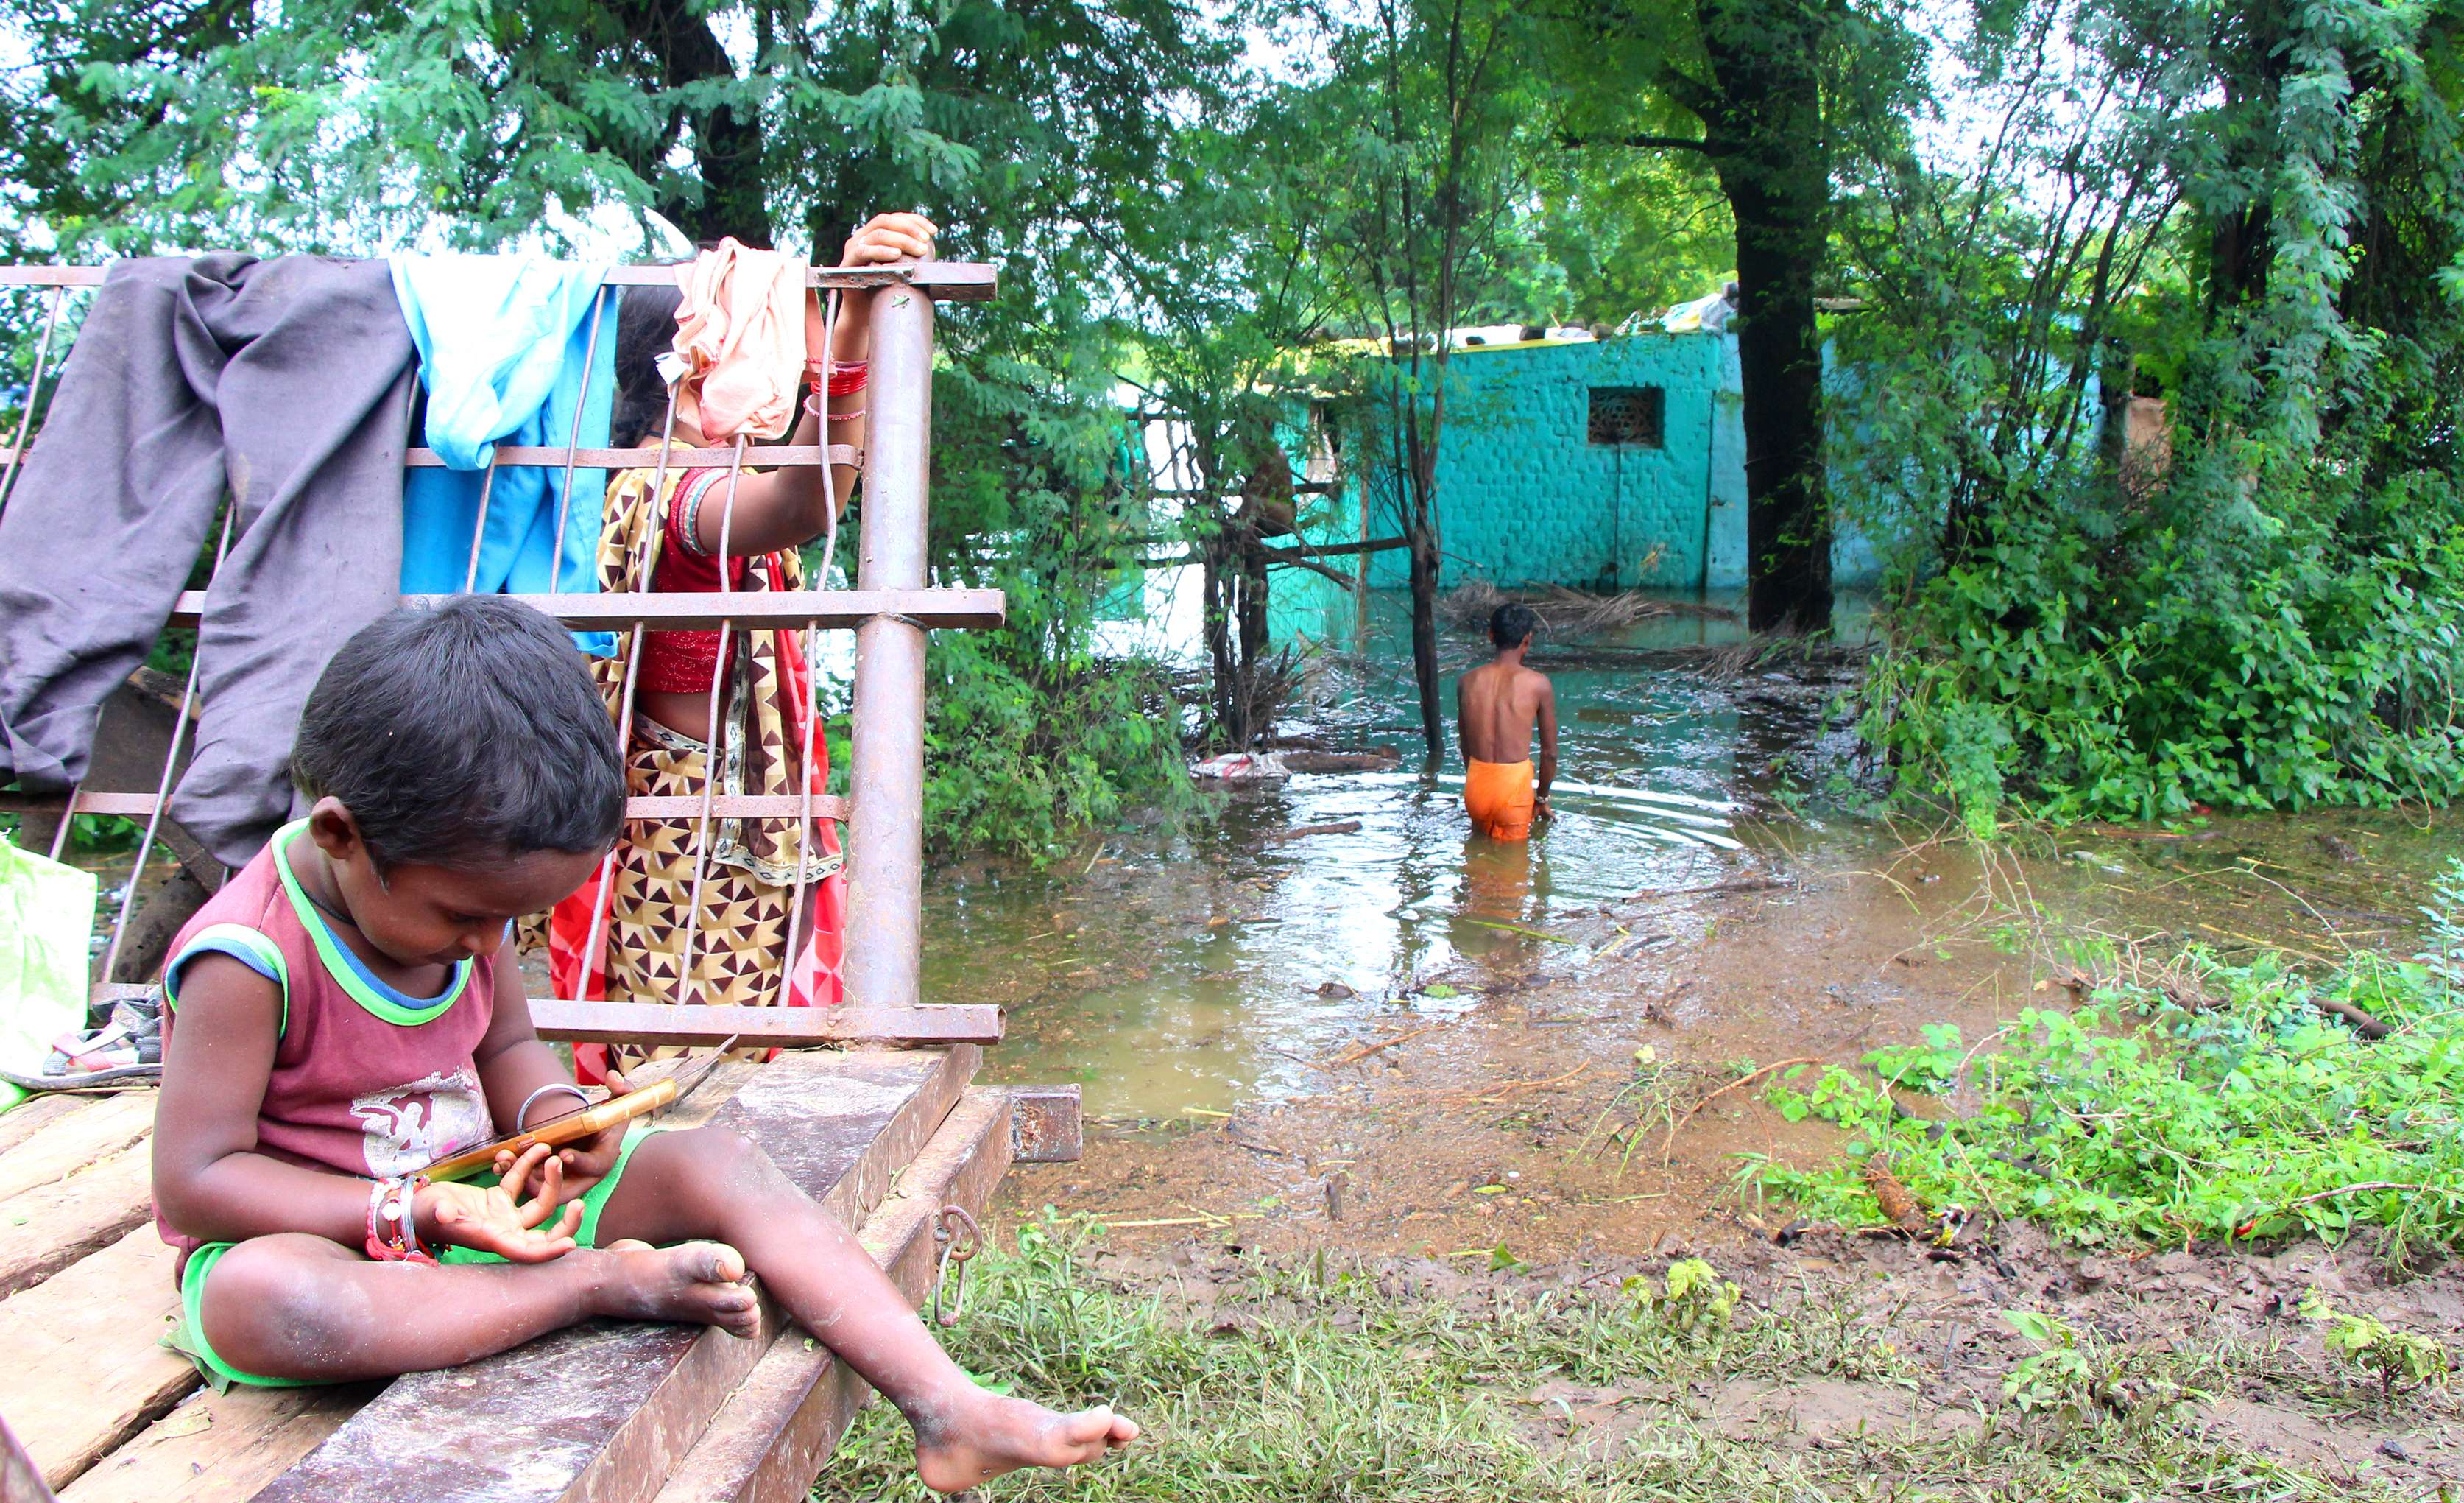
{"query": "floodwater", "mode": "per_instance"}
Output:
(1198, 972)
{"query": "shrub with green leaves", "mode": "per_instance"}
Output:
(2130, 1121)
(2394, 1357)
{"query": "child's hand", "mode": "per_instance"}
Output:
(491, 1221)
(583, 1163)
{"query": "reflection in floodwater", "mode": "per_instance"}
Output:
(1198, 968)
(1172, 971)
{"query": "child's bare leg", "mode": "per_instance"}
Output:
(297, 1306)
(714, 1184)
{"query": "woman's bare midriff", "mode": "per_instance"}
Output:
(685, 714)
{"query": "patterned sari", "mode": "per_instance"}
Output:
(748, 884)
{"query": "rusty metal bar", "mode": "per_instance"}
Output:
(769, 1028)
(572, 442)
(738, 806)
(163, 789)
(886, 761)
(597, 935)
(479, 529)
(812, 641)
(792, 610)
(960, 281)
(711, 759)
(658, 1022)
(775, 457)
(33, 393)
(1048, 1124)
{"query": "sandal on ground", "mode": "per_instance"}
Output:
(125, 1051)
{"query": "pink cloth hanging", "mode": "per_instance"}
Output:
(739, 345)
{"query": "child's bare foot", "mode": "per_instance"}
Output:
(955, 1449)
(701, 1282)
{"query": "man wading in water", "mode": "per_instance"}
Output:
(1498, 703)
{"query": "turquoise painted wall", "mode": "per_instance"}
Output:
(1523, 498)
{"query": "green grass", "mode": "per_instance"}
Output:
(1350, 1386)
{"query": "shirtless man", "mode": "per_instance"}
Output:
(1498, 703)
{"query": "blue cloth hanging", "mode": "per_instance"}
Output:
(506, 354)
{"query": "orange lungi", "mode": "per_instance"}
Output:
(1498, 797)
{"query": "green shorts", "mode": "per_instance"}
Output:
(187, 1337)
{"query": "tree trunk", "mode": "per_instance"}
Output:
(726, 145)
(1779, 362)
(1764, 122)
(1226, 695)
(1424, 633)
(1253, 601)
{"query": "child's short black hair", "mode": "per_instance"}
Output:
(461, 732)
(1512, 623)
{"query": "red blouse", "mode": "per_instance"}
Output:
(685, 662)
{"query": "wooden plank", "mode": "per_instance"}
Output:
(223, 1447)
(778, 1429)
(1048, 1124)
(74, 1142)
(601, 1412)
(85, 1368)
(37, 1112)
(48, 1228)
(220, 1447)
(19, 1480)
(786, 1027)
(748, 610)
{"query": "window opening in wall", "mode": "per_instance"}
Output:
(1630, 416)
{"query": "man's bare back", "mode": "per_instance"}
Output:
(1498, 706)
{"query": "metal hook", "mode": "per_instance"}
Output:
(955, 1248)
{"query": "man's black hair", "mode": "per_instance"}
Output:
(462, 733)
(645, 329)
(1512, 623)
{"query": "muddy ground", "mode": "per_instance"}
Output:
(1490, 1141)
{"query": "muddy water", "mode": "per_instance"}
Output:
(1193, 974)
(1173, 970)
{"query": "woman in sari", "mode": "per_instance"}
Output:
(667, 532)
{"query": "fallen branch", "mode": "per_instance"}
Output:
(1489, 1094)
(1490, 923)
(1340, 827)
(2363, 1023)
(1743, 884)
(1356, 1056)
(1669, 1143)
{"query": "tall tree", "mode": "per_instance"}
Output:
(1747, 85)
(365, 125)
(1431, 94)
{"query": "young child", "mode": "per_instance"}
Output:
(348, 1007)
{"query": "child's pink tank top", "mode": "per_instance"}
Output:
(366, 1081)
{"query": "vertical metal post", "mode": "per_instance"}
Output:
(885, 762)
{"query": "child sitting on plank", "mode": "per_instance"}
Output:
(347, 1009)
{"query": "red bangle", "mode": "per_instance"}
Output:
(845, 380)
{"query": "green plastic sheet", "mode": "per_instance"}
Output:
(46, 923)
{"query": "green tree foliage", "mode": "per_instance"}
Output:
(2255, 213)
(1758, 90)
(359, 128)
